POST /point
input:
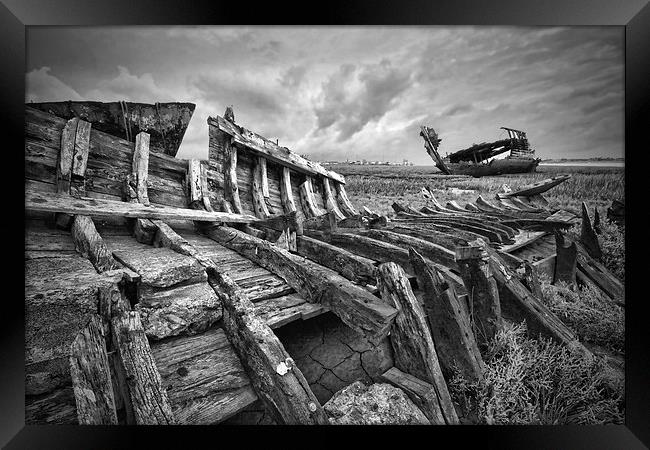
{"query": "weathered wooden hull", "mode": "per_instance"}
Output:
(494, 167)
(538, 187)
(165, 122)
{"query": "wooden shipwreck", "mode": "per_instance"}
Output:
(157, 289)
(478, 160)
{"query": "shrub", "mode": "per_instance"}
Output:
(538, 382)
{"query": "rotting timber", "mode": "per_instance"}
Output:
(156, 287)
(478, 160)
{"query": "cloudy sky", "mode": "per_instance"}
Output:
(354, 92)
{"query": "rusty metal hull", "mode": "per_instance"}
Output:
(165, 122)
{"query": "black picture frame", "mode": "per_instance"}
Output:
(634, 15)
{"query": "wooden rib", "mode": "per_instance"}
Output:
(285, 191)
(81, 146)
(141, 166)
(260, 182)
(230, 185)
(330, 201)
(264, 147)
(414, 351)
(307, 199)
(66, 155)
(356, 307)
(90, 244)
(344, 202)
(91, 376)
(523, 239)
(194, 180)
(205, 188)
(50, 202)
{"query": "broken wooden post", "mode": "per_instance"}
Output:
(230, 185)
(449, 322)
(145, 394)
(588, 236)
(308, 200)
(420, 392)
(197, 183)
(566, 260)
(90, 244)
(260, 189)
(277, 380)
(66, 155)
(286, 194)
(140, 167)
(485, 308)
(330, 200)
(356, 307)
(531, 280)
(344, 201)
(414, 351)
(80, 159)
(91, 376)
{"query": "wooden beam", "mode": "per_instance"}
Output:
(344, 202)
(566, 260)
(91, 377)
(66, 155)
(230, 185)
(49, 202)
(90, 244)
(271, 150)
(140, 166)
(145, 394)
(308, 201)
(414, 351)
(449, 322)
(420, 392)
(260, 184)
(485, 308)
(353, 267)
(281, 222)
(330, 200)
(600, 276)
(286, 193)
(205, 189)
(356, 307)
(194, 184)
(274, 375)
(80, 159)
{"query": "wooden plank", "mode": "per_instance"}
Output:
(359, 309)
(485, 308)
(449, 322)
(66, 155)
(81, 146)
(546, 266)
(565, 261)
(194, 180)
(420, 392)
(260, 185)
(523, 239)
(414, 351)
(276, 379)
(145, 396)
(95, 207)
(308, 201)
(353, 267)
(90, 244)
(330, 201)
(140, 166)
(344, 202)
(271, 150)
(230, 184)
(203, 377)
(205, 190)
(91, 377)
(286, 192)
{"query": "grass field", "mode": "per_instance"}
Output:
(377, 187)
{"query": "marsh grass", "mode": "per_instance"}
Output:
(537, 382)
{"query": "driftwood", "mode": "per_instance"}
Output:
(359, 309)
(414, 351)
(91, 377)
(485, 308)
(145, 396)
(420, 392)
(274, 375)
(96, 207)
(588, 237)
(566, 259)
(448, 322)
(90, 244)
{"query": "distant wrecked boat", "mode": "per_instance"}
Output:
(478, 160)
